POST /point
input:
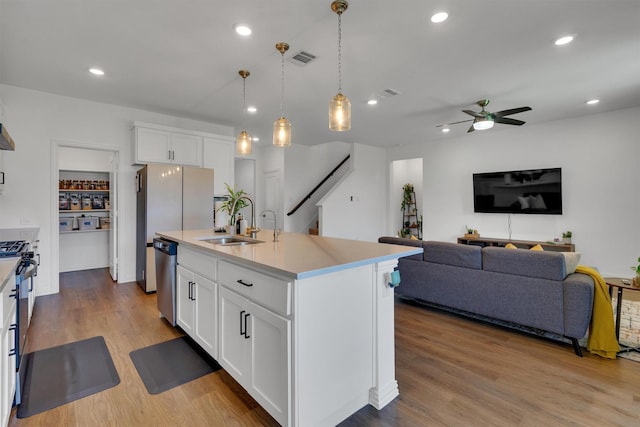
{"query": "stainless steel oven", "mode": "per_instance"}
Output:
(26, 270)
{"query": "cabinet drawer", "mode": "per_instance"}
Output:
(7, 299)
(198, 262)
(267, 291)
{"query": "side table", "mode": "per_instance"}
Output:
(621, 284)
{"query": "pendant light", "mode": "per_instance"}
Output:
(243, 141)
(339, 106)
(282, 126)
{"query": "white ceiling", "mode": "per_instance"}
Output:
(182, 58)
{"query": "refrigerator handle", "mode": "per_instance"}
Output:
(138, 183)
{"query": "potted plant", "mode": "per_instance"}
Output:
(566, 237)
(235, 201)
(471, 233)
(636, 270)
(407, 196)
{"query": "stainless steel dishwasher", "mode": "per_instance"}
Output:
(165, 253)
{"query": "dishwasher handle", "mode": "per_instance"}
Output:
(166, 246)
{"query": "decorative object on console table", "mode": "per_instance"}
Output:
(520, 244)
(636, 269)
(566, 237)
(471, 233)
(411, 222)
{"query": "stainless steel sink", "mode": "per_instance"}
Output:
(230, 240)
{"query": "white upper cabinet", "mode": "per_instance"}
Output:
(218, 154)
(162, 146)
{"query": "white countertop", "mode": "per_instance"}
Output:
(295, 254)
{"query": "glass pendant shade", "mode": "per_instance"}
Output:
(282, 132)
(243, 143)
(339, 113)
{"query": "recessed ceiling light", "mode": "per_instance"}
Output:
(251, 109)
(592, 101)
(439, 17)
(96, 71)
(242, 29)
(445, 130)
(564, 40)
(372, 101)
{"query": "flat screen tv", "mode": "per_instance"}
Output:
(535, 191)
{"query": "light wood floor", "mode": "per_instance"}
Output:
(451, 371)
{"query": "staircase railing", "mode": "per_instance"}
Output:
(308, 196)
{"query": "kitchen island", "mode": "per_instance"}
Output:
(305, 324)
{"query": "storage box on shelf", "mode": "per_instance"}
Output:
(80, 192)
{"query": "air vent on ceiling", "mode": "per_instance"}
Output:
(302, 58)
(390, 92)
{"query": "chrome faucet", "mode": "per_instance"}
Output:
(276, 232)
(253, 232)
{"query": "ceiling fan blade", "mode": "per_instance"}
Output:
(471, 129)
(508, 121)
(511, 111)
(454, 123)
(472, 113)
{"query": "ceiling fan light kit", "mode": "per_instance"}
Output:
(339, 106)
(483, 119)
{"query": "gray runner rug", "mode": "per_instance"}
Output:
(62, 374)
(171, 363)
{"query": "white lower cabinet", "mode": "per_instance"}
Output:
(7, 353)
(255, 349)
(196, 309)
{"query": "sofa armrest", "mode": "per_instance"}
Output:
(404, 242)
(578, 304)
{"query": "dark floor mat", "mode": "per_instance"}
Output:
(171, 363)
(65, 373)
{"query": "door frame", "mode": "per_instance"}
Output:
(56, 144)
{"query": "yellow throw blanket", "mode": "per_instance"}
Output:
(602, 332)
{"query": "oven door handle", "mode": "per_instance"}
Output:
(31, 271)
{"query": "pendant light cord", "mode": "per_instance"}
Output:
(340, 52)
(244, 99)
(282, 85)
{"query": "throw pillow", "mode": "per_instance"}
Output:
(571, 260)
(524, 202)
(537, 248)
(413, 237)
(510, 246)
(537, 202)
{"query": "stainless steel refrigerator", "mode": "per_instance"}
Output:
(169, 197)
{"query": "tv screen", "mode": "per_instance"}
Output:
(535, 191)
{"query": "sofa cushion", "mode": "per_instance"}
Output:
(405, 242)
(455, 254)
(539, 264)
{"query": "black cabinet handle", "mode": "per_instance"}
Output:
(191, 292)
(246, 330)
(14, 327)
(242, 282)
(14, 294)
(242, 332)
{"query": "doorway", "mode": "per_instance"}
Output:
(401, 173)
(89, 237)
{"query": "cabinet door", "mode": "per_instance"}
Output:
(218, 154)
(270, 361)
(185, 307)
(186, 149)
(7, 364)
(152, 146)
(206, 315)
(234, 341)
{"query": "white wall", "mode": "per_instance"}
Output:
(598, 155)
(356, 208)
(305, 168)
(34, 119)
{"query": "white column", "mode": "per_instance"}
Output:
(385, 386)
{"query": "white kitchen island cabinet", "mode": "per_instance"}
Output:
(196, 309)
(306, 324)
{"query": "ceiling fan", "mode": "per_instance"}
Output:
(485, 120)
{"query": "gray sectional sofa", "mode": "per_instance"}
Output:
(529, 288)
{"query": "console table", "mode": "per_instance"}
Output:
(522, 244)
